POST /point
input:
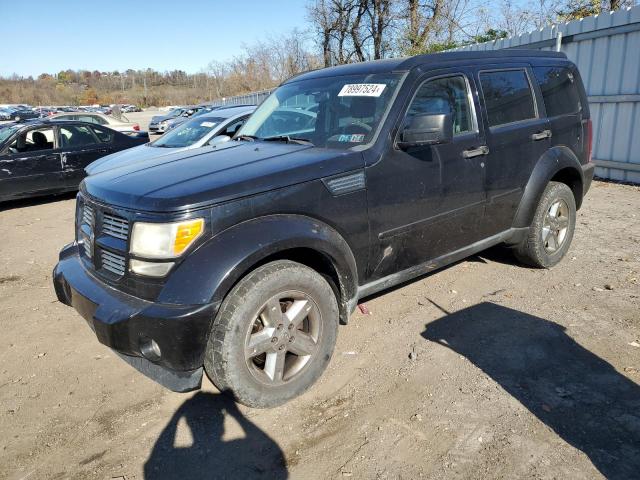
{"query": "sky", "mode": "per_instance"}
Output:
(52, 35)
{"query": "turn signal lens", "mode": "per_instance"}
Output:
(186, 234)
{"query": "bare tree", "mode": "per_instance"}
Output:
(381, 18)
(422, 22)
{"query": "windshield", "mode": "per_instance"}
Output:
(334, 112)
(6, 132)
(188, 133)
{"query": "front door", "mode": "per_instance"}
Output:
(30, 164)
(425, 202)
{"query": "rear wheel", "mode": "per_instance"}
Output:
(552, 228)
(274, 334)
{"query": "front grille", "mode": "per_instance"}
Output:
(113, 262)
(115, 226)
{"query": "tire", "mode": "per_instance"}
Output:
(552, 229)
(259, 354)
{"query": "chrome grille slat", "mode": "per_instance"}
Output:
(113, 262)
(87, 248)
(87, 215)
(115, 226)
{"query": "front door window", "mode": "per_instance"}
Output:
(447, 95)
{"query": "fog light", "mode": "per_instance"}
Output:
(150, 269)
(150, 349)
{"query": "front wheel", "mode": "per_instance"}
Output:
(274, 334)
(552, 228)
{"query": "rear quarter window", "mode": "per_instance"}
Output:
(104, 135)
(559, 90)
(507, 96)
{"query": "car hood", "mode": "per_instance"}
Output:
(159, 118)
(205, 176)
(130, 155)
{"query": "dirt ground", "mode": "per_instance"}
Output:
(485, 369)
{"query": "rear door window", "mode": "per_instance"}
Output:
(559, 90)
(87, 118)
(507, 96)
(76, 136)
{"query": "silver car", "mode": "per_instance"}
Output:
(205, 130)
(123, 125)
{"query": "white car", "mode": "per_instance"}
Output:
(205, 130)
(123, 125)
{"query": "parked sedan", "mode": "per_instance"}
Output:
(159, 123)
(123, 125)
(43, 156)
(205, 130)
(17, 114)
(189, 113)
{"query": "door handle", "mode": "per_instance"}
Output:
(541, 135)
(476, 152)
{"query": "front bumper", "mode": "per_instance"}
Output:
(157, 128)
(126, 323)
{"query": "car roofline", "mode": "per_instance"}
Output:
(403, 64)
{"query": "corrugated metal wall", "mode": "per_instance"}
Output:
(606, 49)
(254, 98)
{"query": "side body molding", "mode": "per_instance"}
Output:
(553, 161)
(209, 273)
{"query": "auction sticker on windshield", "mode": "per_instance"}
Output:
(362, 90)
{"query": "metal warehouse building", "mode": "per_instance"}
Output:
(606, 49)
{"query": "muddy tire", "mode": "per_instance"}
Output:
(274, 335)
(552, 228)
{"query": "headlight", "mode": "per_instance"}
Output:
(164, 240)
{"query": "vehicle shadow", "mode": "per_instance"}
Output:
(577, 394)
(35, 201)
(497, 254)
(254, 456)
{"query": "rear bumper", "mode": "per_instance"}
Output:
(126, 324)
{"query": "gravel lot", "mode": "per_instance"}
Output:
(485, 369)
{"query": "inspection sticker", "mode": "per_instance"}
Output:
(362, 90)
(354, 138)
(208, 124)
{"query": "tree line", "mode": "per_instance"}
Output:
(336, 32)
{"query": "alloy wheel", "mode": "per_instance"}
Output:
(555, 226)
(283, 337)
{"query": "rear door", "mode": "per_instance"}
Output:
(80, 147)
(517, 134)
(30, 163)
(563, 105)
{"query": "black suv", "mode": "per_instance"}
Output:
(243, 259)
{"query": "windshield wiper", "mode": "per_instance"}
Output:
(288, 139)
(246, 138)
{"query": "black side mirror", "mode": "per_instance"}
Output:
(427, 129)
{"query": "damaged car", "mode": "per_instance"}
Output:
(47, 156)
